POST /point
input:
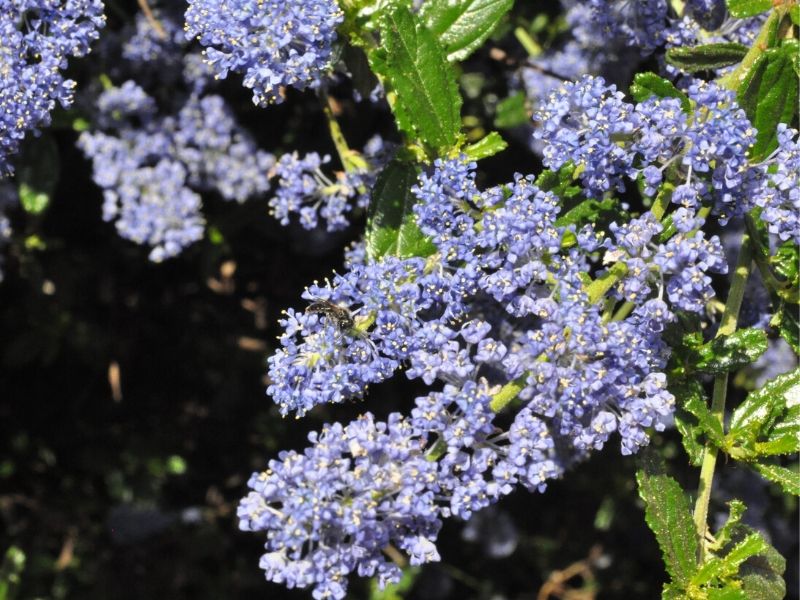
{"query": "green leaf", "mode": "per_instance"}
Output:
(731, 352)
(736, 510)
(511, 112)
(762, 406)
(489, 145)
(563, 183)
(769, 95)
(794, 14)
(694, 402)
(673, 592)
(788, 479)
(463, 26)
(427, 105)
(785, 260)
(788, 324)
(762, 576)
(37, 173)
(728, 593)
(391, 225)
(768, 421)
(786, 432)
(707, 56)
(649, 84)
(690, 435)
(668, 514)
(728, 565)
(741, 9)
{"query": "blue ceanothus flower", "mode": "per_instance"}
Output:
(503, 301)
(36, 39)
(499, 301)
(303, 188)
(272, 43)
(779, 198)
(588, 124)
(359, 488)
(151, 167)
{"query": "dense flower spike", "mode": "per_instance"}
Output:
(273, 43)
(38, 38)
(589, 125)
(151, 173)
(331, 510)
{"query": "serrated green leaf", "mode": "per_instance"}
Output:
(788, 479)
(37, 172)
(588, 211)
(767, 423)
(762, 576)
(731, 352)
(690, 435)
(462, 26)
(673, 592)
(649, 84)
(489, 145)
(741, 9)
(563, 183)
(736, 510)
(787, 429)
(707, 56)
(778, 104)
(788, 324)
(762, 406)
(768, 94)
(669, 516)
(728, 593)
(728, 565)
(693, 400)
(391, 225)
(749, 90)
(427, 105)
(785, 261)
(511, 112)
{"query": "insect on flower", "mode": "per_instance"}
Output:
(338, 315)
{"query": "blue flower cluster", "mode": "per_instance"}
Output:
(151, 167)
(304, 189)
(502, 302)
(587, 123)
(779, 199)
(642, 23)
(502, 316)
(38, 36)
(273, 43)
(652, 24)
(332, 510)
(679, 266)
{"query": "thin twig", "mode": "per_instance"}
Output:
(151, 18)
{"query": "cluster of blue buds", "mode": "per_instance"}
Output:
(38, 36)
(272, 43)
